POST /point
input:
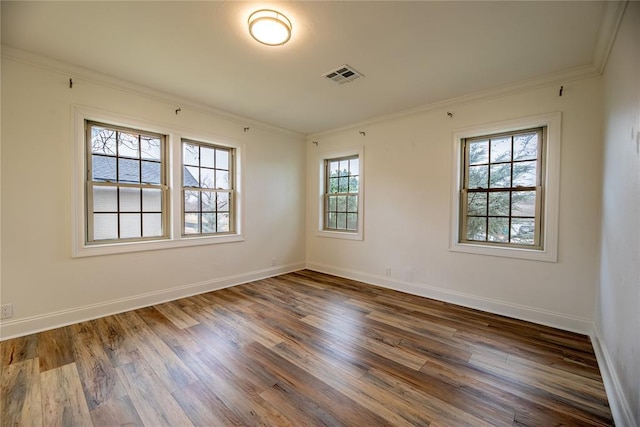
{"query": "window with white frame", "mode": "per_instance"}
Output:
(126, 184)
(502, 189)
(207, 188)
(143, 186)
(506, 192)
(341, 189)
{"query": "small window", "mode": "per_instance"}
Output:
(501, 198)
(126, 184)
(342, 190)
(207, 189)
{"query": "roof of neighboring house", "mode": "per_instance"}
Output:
(104, 169)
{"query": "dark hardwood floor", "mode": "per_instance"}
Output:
(302, 349)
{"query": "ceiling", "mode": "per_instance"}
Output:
(411, 53)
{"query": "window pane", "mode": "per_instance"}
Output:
(352, 203)
(476, 203)
(333, 185)
(190, 176)
(523, 231)
(103, 168)
(332, 203)
(128, 170)
(499, 204)
(344, 167)
(105, 199)
(128, 145)
(191, 223)
(501, 150)
(151, 172)
(223, 202)
(478, 152)
(151, 200)
(130, 226)
(207, 157)
(500, 176)
(498, 230)
(524, 174)
(334, 168)
(332, 220)
(206, 178)
(222, 180)
(525, 147)
(191, 201)
(354, 166)
(208, 201)
(223, 223)
(343, 185)
(476, 229)
(151, 225)
(150, 148)
(222, 159)
(129, 200)
(103, 141)
(341, 220)
(523, 203)
(105, 226)
(341, 205)
(354, 184)
(478, 176)
(352, 222)
(190, 154)
(208, 222)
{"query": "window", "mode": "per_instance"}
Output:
(142, 186)
(341, 189)
(207, 187)
(502, 189)
(505, 196)
(342, 186)
(126, 184)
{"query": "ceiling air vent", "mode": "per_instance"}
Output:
(343, 74)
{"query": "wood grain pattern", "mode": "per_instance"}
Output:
(302, 349)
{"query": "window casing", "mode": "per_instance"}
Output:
(207, 189)
(503, 184)
(126, 184)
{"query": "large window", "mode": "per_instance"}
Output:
(502, 190)
(141, 186)
(126, 184)
(208, 188)
(506, 188)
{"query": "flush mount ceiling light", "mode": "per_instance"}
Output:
(269, 27)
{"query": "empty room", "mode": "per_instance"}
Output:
(307, 213)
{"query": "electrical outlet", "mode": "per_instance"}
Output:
(6, 311)
(388, 271)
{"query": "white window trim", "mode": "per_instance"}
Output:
(551, 193)
(80, 248)
(350, 235)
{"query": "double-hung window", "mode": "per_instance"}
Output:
(502, 189)
(126, 184)
(207, 188)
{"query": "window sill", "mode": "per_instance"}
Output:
(348, 235)
(152, 245)
(519, 253)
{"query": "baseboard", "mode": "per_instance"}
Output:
(530, 314)
(618, 403)
(30, 325)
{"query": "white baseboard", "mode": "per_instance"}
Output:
(530, 314)
(30, 325)
(620, 409)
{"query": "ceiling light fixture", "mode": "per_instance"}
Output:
(269, 27)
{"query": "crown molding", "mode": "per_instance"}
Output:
(95, 77)
(609, 25)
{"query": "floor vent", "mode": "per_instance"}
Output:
(343, 74)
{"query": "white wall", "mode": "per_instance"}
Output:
(407, 210)
(618, 292)
(46, 286)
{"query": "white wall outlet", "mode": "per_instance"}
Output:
(6, 311)
(387, 271)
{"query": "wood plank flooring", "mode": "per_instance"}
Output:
(302, 349)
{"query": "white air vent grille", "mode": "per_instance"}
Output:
(343, 74)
